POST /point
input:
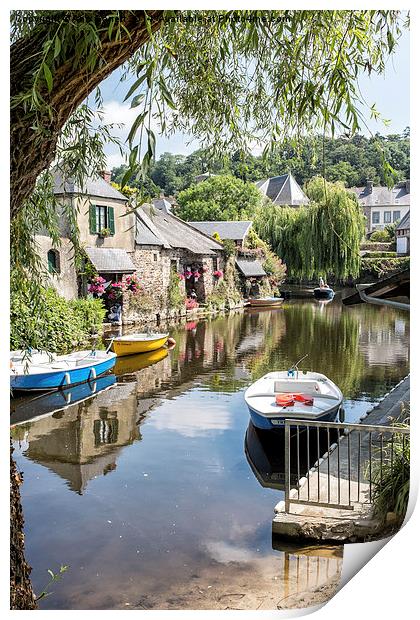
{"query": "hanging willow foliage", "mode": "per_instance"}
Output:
(316, 240)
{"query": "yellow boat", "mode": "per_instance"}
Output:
(129, 364)
(138, 343)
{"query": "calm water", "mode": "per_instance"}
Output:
(157, 494)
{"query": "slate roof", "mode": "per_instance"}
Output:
(405, 222)
(226, 230)
(94, 186)
(110, 260)
(170, 231)
(382, 196)
(162, 204)
(283, 190)
(250, 268)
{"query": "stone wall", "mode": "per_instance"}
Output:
(153, 268)
(65, 282)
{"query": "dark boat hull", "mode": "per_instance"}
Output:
(323, 293)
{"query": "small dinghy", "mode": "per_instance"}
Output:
(36, 371)
(265, 302)
(292, 394)
(138, 343)
(324, 292)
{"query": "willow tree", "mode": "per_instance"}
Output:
(228, 77)
(322, 238)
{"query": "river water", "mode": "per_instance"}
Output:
(156, 491)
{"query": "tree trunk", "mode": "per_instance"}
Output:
(31, 151)
(21, 593)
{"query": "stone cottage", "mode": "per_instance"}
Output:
(165, 243)
(106, 233)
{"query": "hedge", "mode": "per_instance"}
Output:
(55, 324)
(381, 267)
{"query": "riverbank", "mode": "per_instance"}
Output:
(334, 524)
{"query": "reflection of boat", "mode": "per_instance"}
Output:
(265, 452)
(48, 371)
(129, 364)
(265, 302)
(25, 409)
(292, 394)
(324, 292)
(138, 343)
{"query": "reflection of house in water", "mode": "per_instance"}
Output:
(386, 342)
(83, 441)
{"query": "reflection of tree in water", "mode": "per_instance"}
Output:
(332, 341)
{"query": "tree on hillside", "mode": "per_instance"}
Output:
(145, 186)
(219, 198)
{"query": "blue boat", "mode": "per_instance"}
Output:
(34, 371)
(29, 408)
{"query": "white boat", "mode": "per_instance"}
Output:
(292, 394)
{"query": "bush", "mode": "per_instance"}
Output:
(175, 298)
(380, 255)
(382, 267)
(392, 486)
(381, 236)
(55, 324)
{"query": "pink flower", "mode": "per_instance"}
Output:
(218, 273)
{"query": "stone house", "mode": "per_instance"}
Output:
(402, 234)
(106, 233)
(381, 205)
(283, 190)
(252, 275)
(163, 242)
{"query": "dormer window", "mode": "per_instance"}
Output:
(101, 220)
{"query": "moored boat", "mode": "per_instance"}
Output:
(323, 292)
(265, 302)
(138, 343)
(292, 394)
(36, 371)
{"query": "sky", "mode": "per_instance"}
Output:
(390, 92)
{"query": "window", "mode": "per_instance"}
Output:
(375, 217)
(396, 215)
(387, 217)
(215, 263)
(155, 257)
(101, 218)
(53, 258)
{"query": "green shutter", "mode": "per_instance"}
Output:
(111, 221)
(92, 220)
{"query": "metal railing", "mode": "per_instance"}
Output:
(336, 464)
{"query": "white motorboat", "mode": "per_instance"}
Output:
(292, 394)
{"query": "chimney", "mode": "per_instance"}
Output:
(106, 175)
(407, 186)
(369, 186)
